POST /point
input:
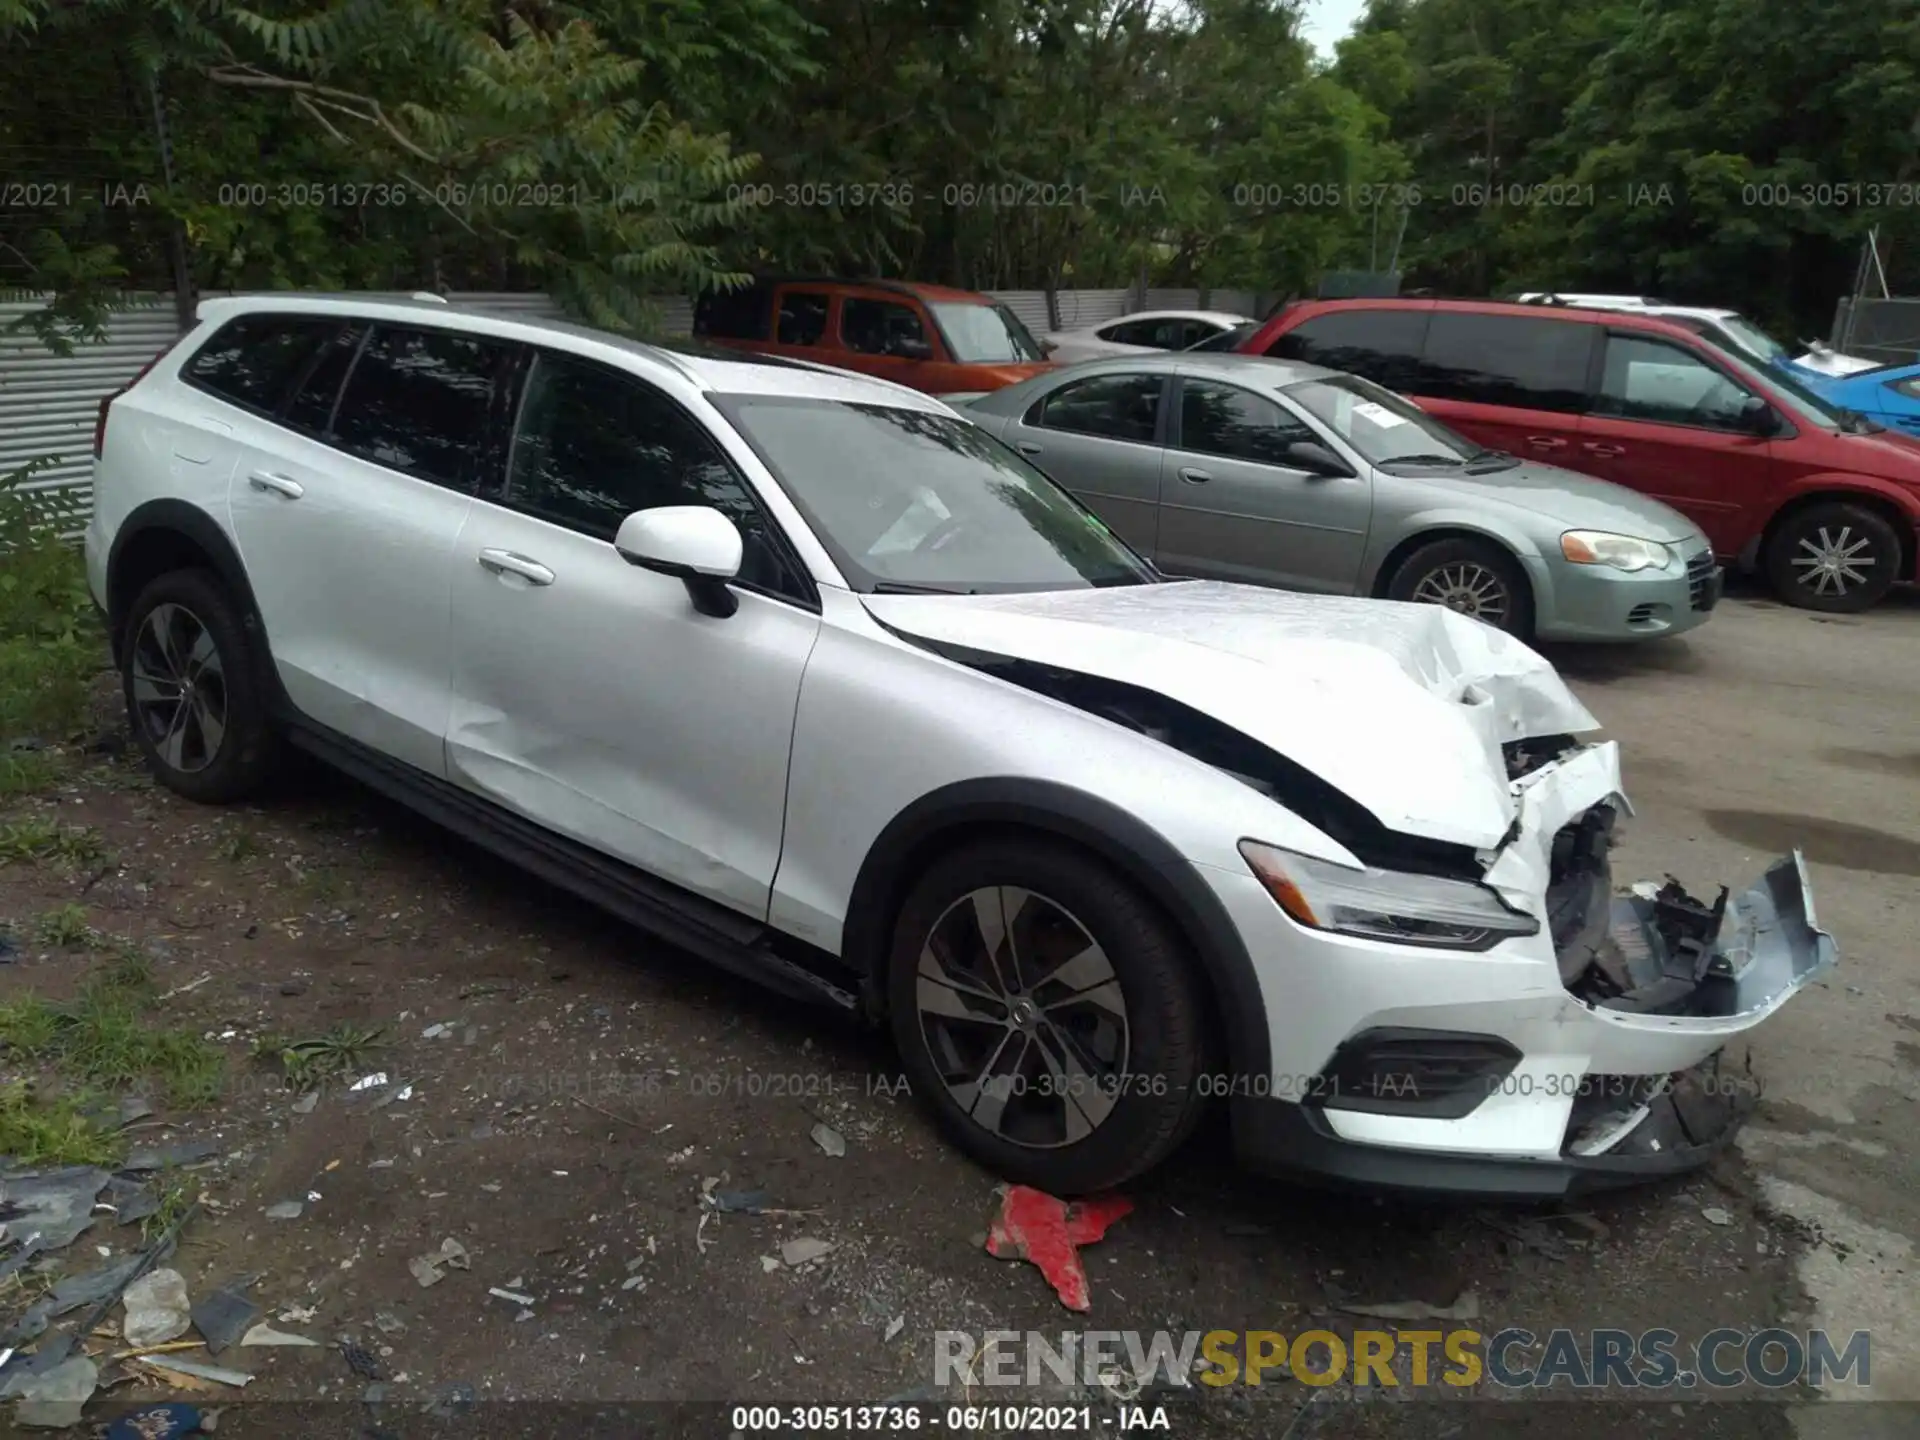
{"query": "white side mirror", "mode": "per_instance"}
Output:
(693, 543)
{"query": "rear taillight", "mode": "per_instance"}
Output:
(100, 421)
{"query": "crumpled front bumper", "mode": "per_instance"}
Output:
(1607, 1050)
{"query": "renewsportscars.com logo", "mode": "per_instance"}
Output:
(1513, 1358)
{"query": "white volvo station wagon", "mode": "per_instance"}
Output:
(809, 676)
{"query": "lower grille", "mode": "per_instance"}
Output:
(1701, 573)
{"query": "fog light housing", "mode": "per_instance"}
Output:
(1430, 1074)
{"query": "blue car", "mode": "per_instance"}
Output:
(1888, 396)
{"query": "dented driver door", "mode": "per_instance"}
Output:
(588, 694)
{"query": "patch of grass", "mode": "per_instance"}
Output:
(308, 1063)
(39, 838)
(50, 1130)
(28, 772)
(238, 846)
(176, 1199)
(322, 885)
(105, 1037)
(50, 642)
(63, 926)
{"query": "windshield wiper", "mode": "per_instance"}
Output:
(1421, 460)
(1483, 462)
(901, 587)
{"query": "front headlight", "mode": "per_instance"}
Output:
(1385, 904)
(1622, 552)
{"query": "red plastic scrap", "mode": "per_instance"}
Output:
(1035, 1226)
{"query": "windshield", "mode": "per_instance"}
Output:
(903, 499)
(1227, 339)
(1384, 428)
(1751, 338)
(986, 334)
(1802, 402)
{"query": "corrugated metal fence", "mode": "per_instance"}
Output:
(48, 402)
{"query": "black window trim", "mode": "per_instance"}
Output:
(1789, 431)
(1176, 435)
(324, 435)
(1032, 418)
(318, 317)
(809, 597)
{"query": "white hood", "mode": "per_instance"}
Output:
(1402, 707)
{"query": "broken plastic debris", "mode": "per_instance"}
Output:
(222, 1317)
(267, 1335)
(436, 1032)
(430, 1269)
(370, 1082)
(894, 1327)
(306, 1104)
(1714, 1215)
(359, 1360)
(54, 1399)
(738, 1202)
(514, 1295)
(285, 1210)
(157, 1309)
(1466, 1306)
(1035, 1226)
(236, 1378)
(159, 1157)
(168, 1421)
(804, 1251)
(769, 1264)
(830, 1140)
(49, 1208)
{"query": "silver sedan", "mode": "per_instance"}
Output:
(1239, 467)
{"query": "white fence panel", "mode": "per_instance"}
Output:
(1082, 308)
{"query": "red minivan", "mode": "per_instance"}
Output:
(1825, 503)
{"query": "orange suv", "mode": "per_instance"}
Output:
(952, 343)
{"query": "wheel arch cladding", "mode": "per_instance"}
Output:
(166, 535)
(1903, 521)
(974, 809)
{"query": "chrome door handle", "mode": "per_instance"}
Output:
(506, 562)
(1603, 451)
(1546, 442)
(1193, 476)
(1027, 447)
(266, 480)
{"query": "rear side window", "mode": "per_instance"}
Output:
(803, 317)
(418, 401)
(1116, 407)
(253, 361)
(733, 314)
(1378, 345)
(1512, 360)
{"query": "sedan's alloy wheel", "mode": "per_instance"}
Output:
(1467, 587)
(179, 688)
(1024, 1017)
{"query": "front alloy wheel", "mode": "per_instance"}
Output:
(1471, 577)
(1047, 1013)
(1024, 1017)
(1468, 588)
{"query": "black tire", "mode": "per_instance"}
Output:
(1145, 1108)
(1857, 542)
(213, 769)
(1459, 565)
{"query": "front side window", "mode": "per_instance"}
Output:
(254, 361)
(594, 445)
(884, 327)
(1652, 380)
(803, 317)
(1236, 424)
(1510, 360)
(987, 335)
(1382, 345)
(909, 500)
(1114, 407)
(418, 402)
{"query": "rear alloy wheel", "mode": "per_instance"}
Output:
(1470, 577)
(191, 681)
(1047, 1014)
(1835, 557)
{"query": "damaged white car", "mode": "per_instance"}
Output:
(806, 674)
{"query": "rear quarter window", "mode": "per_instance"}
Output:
(254, 361)
(734, 314)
